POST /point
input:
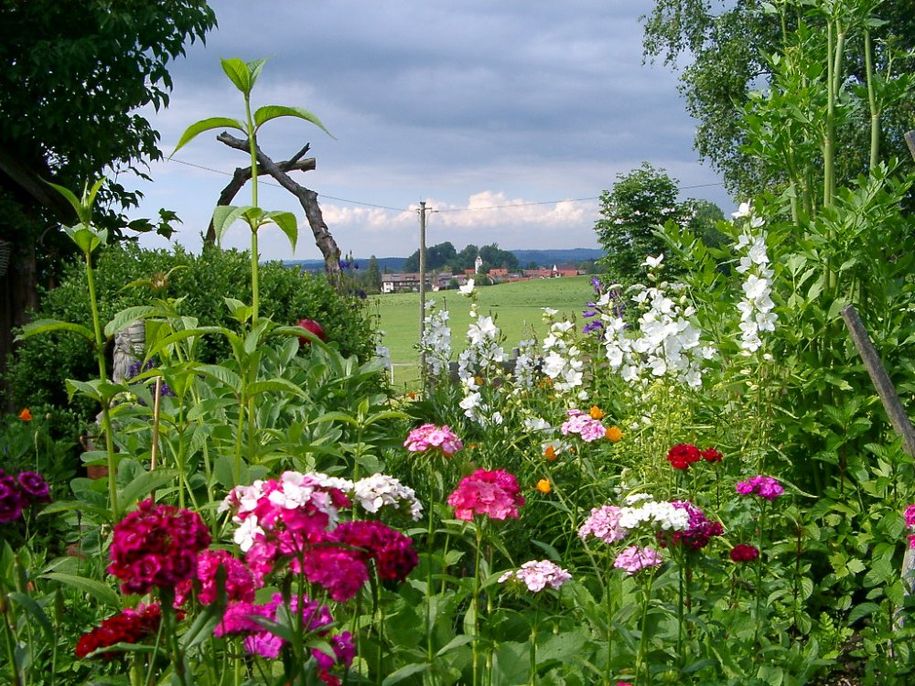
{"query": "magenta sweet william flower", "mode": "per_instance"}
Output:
(34, 486)
(430, 437)
(239, 581)
(743, 552)
(340, 571)
(391, 550)
(698, 532)
(494, 494)
(764, 486)
(156, 546)
(910, 516)
(634, 559)
(11, 500)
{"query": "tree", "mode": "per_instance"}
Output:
(437, 257)
(373, 276)
(640, 201)
(73, 75)
(493, 256)
(732, 44)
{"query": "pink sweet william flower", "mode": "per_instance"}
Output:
(604, 523)
(764, 486)
(583, 424)
(156, 546)
(431, 437)
(494, 494)
(537, 575)
(634, 559)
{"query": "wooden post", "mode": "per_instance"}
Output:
(910, 141)
(894, 409)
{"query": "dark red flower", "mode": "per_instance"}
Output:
(744, 553)
(129, 626)
(311, 326)
(711, 455)
(682, 455)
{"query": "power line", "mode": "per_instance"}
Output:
(276, 185)
(453, 209)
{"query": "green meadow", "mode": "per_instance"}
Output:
(517, 308)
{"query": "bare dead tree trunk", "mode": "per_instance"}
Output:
(307, 198)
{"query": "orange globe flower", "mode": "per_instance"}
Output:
(613, 434)
(596, 412)
(544, 486)
(25, 415)
(550, 453)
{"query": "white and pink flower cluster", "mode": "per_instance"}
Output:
(431, 437)
(612, 524)
(537, 575)
(584, 425)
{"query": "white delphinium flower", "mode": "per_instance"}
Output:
(379, 490)
(562, 361)
(536, 424)
(667, 342)
(435, 343)
(525, 365)
(756, 307)
(483, 356)
(467, 288)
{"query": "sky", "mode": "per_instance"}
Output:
(508, 118)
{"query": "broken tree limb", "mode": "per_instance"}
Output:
(307, 198)
(243, 174)
(881, 380)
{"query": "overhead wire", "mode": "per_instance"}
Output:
(452, 209)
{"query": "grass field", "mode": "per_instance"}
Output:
(517, 308)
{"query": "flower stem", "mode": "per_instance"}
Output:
(643, 636)
(475, 604)
(103, 376)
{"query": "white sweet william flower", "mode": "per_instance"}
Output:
(467, 288)
(247, 532)
(379, 490)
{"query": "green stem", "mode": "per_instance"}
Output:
(10, 640)
(103, 377)
(252, 146)
(171, 630)
(475, 604)
(643, 636)
(872, 100)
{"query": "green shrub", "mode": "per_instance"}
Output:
(40, 365)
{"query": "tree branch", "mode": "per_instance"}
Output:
(307, 198)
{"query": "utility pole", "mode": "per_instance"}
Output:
(422, 283)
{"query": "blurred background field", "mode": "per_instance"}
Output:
(517, 308)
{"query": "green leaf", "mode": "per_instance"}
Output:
(203, 626)
(144, 484)
(254, 69)
(126, 317)
(70, 197)
(862, 610)
(288, 225)
(238, 73)
(40, 326)
(85, 237)
(223, 375)
(223, 217)
(86, 388)
(404, 672)
(279, 385)
(195, 129)
(34, 609)
(101, 592)
(238, 310)
(268, 112)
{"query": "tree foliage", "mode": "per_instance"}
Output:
(640, 202)
(73, 76)
(443, 256)
(736, 48)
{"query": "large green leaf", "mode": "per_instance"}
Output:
(278, 384)
(101, 592)
(224, 216)
(40, 326)
(404, 672)
(254, 69)
(238, 73)
(222, 374)
(287, 223)
(268, 112)
(34, 609)
(70, 197)
(126, 317)
(195, 129)
(144, 484)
